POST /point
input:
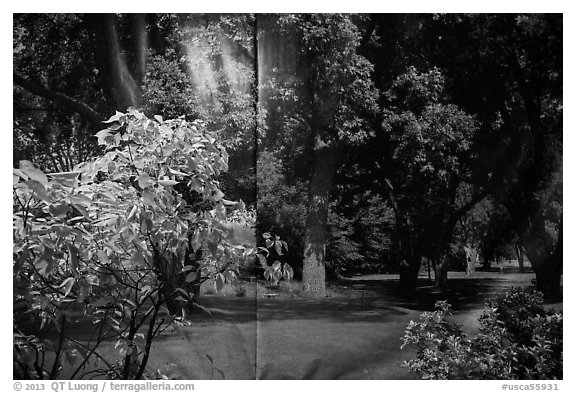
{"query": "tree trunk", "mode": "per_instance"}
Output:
(314, 272)
(409, 269)
(519, 255)
(410, 259)
(546, 262)
(441, 272)
(547, 266)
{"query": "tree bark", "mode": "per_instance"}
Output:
(314, 272)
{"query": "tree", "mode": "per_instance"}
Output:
(334, 94)
(513, 64)
(426, 139)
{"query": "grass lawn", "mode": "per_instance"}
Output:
(354, 334)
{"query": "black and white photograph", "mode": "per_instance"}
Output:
(286, 196)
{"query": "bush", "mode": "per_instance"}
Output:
(114, 244)
(517, 339)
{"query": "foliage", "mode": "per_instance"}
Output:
(517, 339)
(281, 205)
(359, 235)
(278, 270)
(167, 91)
(45, 133)
(112, 243)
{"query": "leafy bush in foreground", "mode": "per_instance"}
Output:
(116, 245)
(517, 339)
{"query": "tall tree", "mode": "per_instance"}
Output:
(426, 139)
(336, 94)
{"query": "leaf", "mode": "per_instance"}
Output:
(168, 182)
(33, 173)
(191, 276)
(67, 285)
(219, 282)
(277, 275)
(269, 243)
(19, 173)
(132, 212)
(288, 272)
(220, 211)
(177, 173)
(138, 259)
(38, 190)
(74, 256)
(144, 180)
(195, 241)
(82, 210)
(79, 199)
(213, 248)
(216, 195)
(116, 117)
(264, 250)
(262, 260)
(145, 225)
(103, 257)
(276, 265)
(102, 135)
(148, 198)
(278, 247)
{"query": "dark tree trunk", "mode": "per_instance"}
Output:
(519, 255)
(546, 262)
(487, 262)
(314, 272)
(441, 272)
(409, 256)
(409, 269)
(140, 46)
(547, 266)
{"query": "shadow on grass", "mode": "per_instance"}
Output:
(369, 300)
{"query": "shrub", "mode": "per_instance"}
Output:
(517, 339)
(115, 242)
